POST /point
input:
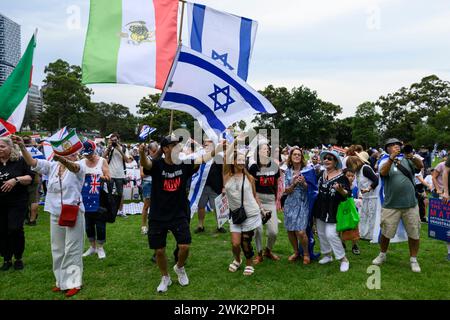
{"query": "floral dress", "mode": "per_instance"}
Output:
(296, 207)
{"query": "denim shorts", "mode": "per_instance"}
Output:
(146, 189)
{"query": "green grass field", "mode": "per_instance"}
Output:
(128, 273)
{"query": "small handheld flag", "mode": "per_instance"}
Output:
(68, 145)
(145, 132)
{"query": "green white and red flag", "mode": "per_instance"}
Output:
(68, 145)
(14, 93)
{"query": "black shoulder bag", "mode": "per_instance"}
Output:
(406, 172)
(239, 216)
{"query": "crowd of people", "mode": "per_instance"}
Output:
(388, 185)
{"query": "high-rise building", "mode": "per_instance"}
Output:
(9, 47)
(35, 100)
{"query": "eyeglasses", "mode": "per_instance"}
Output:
(329, 158)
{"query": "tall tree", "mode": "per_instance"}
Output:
(403, 110)
(343, 131)
(66, 99)
(365, 125)
(302, 118)
(159, 118)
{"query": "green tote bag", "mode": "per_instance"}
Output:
(347, 216)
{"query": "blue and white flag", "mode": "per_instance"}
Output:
(145, 132)
(224, 37)
(197, 185)
(35, 153)
(211, 93)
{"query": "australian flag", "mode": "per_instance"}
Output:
(91, 192)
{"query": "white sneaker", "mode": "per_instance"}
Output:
(89, 252)
(379, 260)
(415, 266)
(164, 285)
(182, 276)
(101, 253)
(144, 230)
(326, 259)
(345, 265)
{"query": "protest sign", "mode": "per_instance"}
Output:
(439, 220)
(222, 210)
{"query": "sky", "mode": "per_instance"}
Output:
(349, 51)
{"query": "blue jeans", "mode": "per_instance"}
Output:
(95, 228)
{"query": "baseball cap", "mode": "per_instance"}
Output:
(171, 139)
(88, 148)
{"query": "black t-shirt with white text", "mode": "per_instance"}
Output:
(11, 170)
(266, 178)
(169, 200)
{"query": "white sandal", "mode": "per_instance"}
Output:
(249, 270)
(234, 266)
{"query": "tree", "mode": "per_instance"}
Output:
(159, 118)
(409, 107)
(66, 99)
(435, 130)
(302, 118)
(109, 118)
(343, 131)
(365, 125)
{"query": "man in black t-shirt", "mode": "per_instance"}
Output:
(169, 207)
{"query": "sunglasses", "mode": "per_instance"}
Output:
(329, 158)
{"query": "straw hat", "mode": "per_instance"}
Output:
(364, 156)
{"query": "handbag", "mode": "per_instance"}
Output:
(69, 212)
(347, 216)
(239, 215)
(265, 216)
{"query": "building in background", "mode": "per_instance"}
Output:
(10, 50)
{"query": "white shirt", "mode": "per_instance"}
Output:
(116, 165)
(72, 183)
(429, 180)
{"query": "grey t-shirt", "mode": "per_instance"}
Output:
(399, 192)
(116, 165)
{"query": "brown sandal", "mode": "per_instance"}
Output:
(306, 260)
(294, 257)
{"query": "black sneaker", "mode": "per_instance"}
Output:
(355, 250)
(199, 230)
(18, 265)
(221, 230)
(6, 266)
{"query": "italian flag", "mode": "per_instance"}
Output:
(67, 145)
(130, 41)
(14, 93)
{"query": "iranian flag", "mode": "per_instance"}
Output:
(68, 144)
(14, 93)
(130, 41)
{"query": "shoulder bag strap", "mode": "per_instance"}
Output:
(110, 156)
(406, 173)
(242, 190)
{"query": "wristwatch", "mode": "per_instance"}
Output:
(17, 180)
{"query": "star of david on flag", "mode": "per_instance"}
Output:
(223, 58)
(216, 98)
(189, 88)
(224, 37)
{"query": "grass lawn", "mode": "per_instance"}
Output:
(128, 273)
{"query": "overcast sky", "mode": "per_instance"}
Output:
(349, 51)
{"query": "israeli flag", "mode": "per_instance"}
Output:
(145, 132)
(210, 92)
(197, 185)
(224, 37)
(35, 153)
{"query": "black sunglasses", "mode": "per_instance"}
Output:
(329, 158)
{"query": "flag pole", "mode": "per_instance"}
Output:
(179, 42)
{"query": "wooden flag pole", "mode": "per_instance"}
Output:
(179, 42)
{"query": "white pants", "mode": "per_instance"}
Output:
(329, 239)
(67, 252)
(268, 202)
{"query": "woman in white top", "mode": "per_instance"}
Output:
(97, 172)
(66, 242)
(234, 176)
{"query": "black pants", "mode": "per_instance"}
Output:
(420, 195)
(95, 227)
(12, 236)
